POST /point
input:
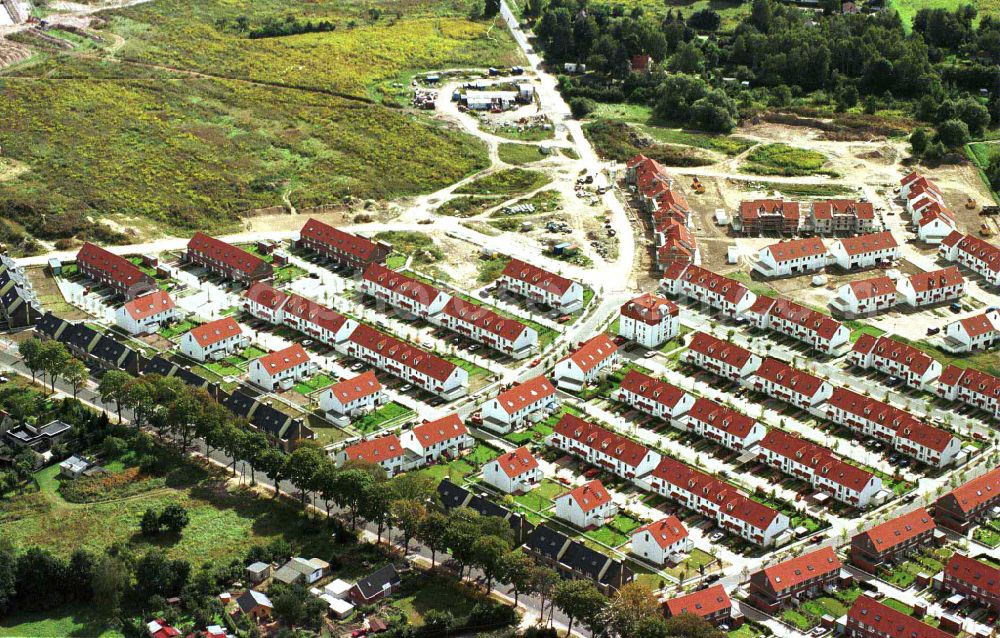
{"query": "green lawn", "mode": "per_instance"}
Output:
(540, 499)
(616, 532)
(71, 621)
(898, 605)
(509, 182)
(421, 593)
(782, 159)
(691, 565)
(388, 414)
(177, 329)
(395, 261)
(476, 373)
(520, 153)
(798, 620)
(458, 469)
(660, 131)
(987, 361)
(988, 533)
(859, 328)
(314, 383)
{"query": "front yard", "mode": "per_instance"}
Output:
(460, 468)
(925, 561)
(616, 532)
(808, 614)
(313, 384)
(541, 498)
(388, 414)
(988, 533)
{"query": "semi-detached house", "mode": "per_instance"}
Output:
(352, 397)
(403, 292)
(865, 296)
(781, 381)
(385, 451)
(661, 541)
(317, 321)
(282, 369)
(978, 255)
(841, 217)
(916, 368)
(587, 506)
(704, 286)
(865, 251)
(503, 334)
(712, 605)
(798, 578)
(264, 302)
(892, 540)
(932, 287)
(514, 472)
(345, 249)
(591, 361)
(654, 396)
(725, 426)
(214, 340)
(819, 467)
(147, 314)
(445, 437)
(972, 387)
(720, 357)
(602, 448)
(809, 326)
(708, 496)
(541, 286)
(792, 257)
(409, 363)
(227, 260)
(114, 271)
(978, 332)
(767, 217)
(520, 404)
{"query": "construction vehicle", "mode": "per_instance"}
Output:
(990, 210)
(970, 204)
(985, 230)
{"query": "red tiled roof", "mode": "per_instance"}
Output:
(653, 389)
(981, 249)
(973, 572)
(280, 360)
(723, 351)
(756, 208)
(597, 438)
(443, 429)
(665, 532)
(730, 290)
(484, 318)
(703, 602)
(872, 242)
(978, 325)
(914, 359)
(593, 352)
(888, 622)
(413, 289)
(796, 249)
(148, 305)
(826, 209)
(797, 570)
(335, 238)
(865, 343)
(363, 385)
(761, 306)
(589, 496)
(824, 326)
(925, 435)
(952, 239)
(215, 331)
(232, 256)
(265, 295)
(899, 530)
(912, 175)
(538, 277)
(640, 62)
(870, 409)
(314, 313)
(979, 382)
(649, 309)
(116, 267)
(816, 457)
(721, 418)
(516, 463)
(524, 394)
(674, 271)
(874, 287)
(376, 450)
(943, 278)
(977, 491)
(780, 373)
(403, 353)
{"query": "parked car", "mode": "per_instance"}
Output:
(955, 307)
(933, 331)
(564, 318)
(534, 363)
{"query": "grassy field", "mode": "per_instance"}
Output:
(540, 498)
(389, 413)
(908, 8)
(509, 182)
(520, 153)
(659, 131)
(782, 159)
(201, 122)
(76, 621)
(460, 468)
(981, 154)
(987, 361)
(620, 141)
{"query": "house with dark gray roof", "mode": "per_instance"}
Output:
(375, 586)
(19, 307)
(114, 355)
(51, 326)
(453, 496)
(573, 559)
(267, 419)
(38, 438)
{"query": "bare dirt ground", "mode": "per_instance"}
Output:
(50, 296)
(12, 52)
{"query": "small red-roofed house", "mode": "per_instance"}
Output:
(916, 368)
(147, 314)
(960, 508)
(402, 291)
(933, 287)
(892, 540)
(520, 404)
(865, 251)
(661, 541)
(503, 334)
(105, 267)
(978, 332)
(837, 217)
(231, 262)
(591, 361)
(316, 320)
(603, 448)
(649, 320)
(869, 618)
(514, 472)
(798, 578)
(214, 340)
(352, 251)
(445, 437)
(972, 387)
(781, 381)
(385, 451)
(725, 426)
(264, 302)
(711, 604)
(809, 326)
(542, 286)
(160, 629)
(975, 253)
(720, 357)
(767, 217)
(407, 362)
(653, 396)
(865, 296)
(704, 286)
(587, 506)
(352, 397)
(282, 369)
